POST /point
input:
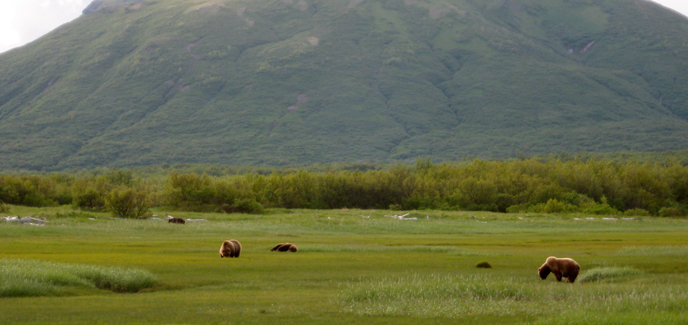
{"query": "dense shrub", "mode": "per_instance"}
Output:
(636, 212)
(90, 199)
(670, 212)
(525, 185)
(27, 190)
(127, 203)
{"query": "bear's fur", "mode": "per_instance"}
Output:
(176, 220)
(561, 268)
(230, 248)
(237, 247)
(277, 247)
(284, 247)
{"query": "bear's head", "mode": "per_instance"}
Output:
(544, 271)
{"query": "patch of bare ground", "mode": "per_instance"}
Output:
(240, 12)
(273, 125)
(435, 11)
(354, 3)
(207, 6)
(299, 100)
(134, 7)
(313, 40)
(190, 46)
(302, 5)
(174, 86)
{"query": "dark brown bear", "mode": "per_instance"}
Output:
(176, 220)
(230, 248)
(561, 268)
(284, 247)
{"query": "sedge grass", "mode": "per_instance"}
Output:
(608, 274)
(677, 251)
(455, 296)
(381, 248)
(351, 269)
(20, 278)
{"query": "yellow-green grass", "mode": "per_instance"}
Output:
(23, 278)
(357, 266)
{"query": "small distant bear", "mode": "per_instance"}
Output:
(230, 248)
(285, 247)
(176, 220)
(561, 267)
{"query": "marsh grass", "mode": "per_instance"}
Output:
(681, 251)
(608, 274)
(484, 295)
(20, 278)
(458, 251)
(349, 269)
(435, 296)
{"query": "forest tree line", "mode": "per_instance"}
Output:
(528, 185)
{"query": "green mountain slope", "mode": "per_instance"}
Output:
(273, 82)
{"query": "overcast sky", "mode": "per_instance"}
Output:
(22, 21)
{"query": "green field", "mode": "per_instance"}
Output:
(352, 267)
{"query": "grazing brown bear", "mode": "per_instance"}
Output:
(176, 220)
(230, 248)
(561, 267)
(285, 247)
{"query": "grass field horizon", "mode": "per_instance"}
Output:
(358, 266)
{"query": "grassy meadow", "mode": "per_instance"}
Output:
(352, 267)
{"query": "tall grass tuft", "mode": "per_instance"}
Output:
(436, 295)
(454, 296)
(607, 274)
(20, 278)
(654, 251)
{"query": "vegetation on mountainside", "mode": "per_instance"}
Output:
(593, 186)
(275, 83)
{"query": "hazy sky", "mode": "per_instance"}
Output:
(22, 21)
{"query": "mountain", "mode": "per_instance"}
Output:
(276, 82)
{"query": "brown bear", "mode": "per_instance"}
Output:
(230, 248)
(176, 220)
(284, 247)
(561, 267)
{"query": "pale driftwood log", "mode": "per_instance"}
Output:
(25, 220)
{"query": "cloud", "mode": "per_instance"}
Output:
(22, 21)
(677, 5)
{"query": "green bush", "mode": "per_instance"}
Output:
(637, 212)
(600, 208)
(4, 207)
(670, 212)
(552, 206)
(91, 199)
(530, 185)
(127, 203)
(555, 206)
(247, 206)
